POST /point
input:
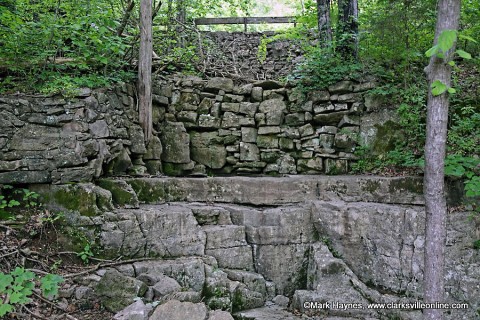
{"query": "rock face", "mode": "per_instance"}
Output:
(200, 127)
(302, 240)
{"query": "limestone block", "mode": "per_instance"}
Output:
(249, 134)
(249, 152)
(349, 121)
(314, 165)
(330, 119)
(209, 121)
(285, 265)
(205, 105)
(245, 89)
(165, 286)
(187, 117)
(336, 166)
(319, 96)
(268, 84)
(216, 84)
(230, 106)
(230, 120)
(306, 130)
(219, 315)
(221, 236)
(323, 108)
(341, 87)
(207, 149)
(233, 258)
(248, 108)
(257, 94)
(116, 291)
(209, 215)
(175, 142)
(176, 310)
(233, 98)
(189, 272)
(295, 119)
(154, 149)
(267, 141)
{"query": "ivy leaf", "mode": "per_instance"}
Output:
(446, 40)
(452, 90)
(464, 54)
(433, 50)
(438, 88)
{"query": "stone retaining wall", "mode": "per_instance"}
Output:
(201, 127)
(236, 53)
(52, 139)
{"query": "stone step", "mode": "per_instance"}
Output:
(269, 191)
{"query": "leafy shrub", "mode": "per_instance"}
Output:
(17, 286)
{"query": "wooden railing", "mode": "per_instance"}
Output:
(245, 20)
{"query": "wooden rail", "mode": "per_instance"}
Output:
(245, 20)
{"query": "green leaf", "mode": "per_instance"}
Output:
(5, 281)
(447, 39)
(451, 90)
(4, 309)
(438, 88)
(16, 297)
(451, 63)
(464, 54)
(467, 38)
(433, 50)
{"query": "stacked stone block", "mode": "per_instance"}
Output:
(256, 128)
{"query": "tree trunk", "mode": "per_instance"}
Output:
(348, 26)
(181, 20)
(435, 203)
(324, 24)
(145, 69)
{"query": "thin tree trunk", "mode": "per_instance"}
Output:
(145, 69)
(126, 17)
(324, 24)
(181, 18)
(435, 203)
(348, 21)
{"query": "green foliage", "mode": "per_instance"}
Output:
(467, 168)
(322, 68)
(86, 253)
(17, 286)
(50, 40)
(476, 244)
(11, 198)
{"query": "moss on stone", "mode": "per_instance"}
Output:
(371, 186)
(387, 137)
(78, 199)
(171, 170)
(411, 184)
(148, 192)
(122, 193)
